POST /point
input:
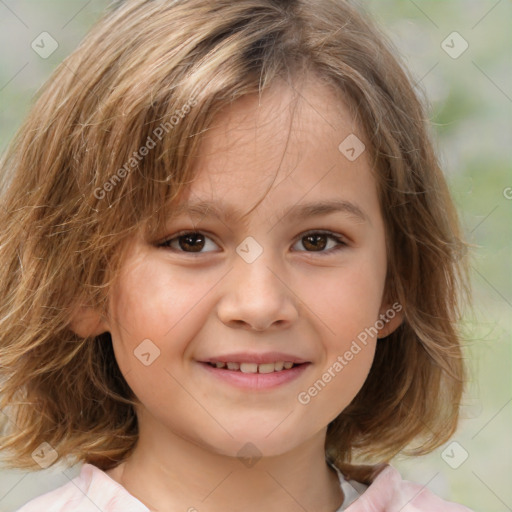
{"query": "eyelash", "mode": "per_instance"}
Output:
(340, 241)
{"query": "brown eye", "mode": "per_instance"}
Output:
(189, 242)
(192, 241)
(317, 241)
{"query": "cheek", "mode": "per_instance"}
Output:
(347, 301)
(347, 298)
(152, 302)
(348, 306)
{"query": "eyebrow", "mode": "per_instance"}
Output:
(300, 211)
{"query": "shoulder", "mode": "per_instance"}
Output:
(90, 491)
(387, 491)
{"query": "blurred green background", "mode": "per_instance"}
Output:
(470, 97)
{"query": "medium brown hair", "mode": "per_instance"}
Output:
(75, 187)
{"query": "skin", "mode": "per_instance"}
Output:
(291, 298)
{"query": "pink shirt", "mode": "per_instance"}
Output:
(93, 490)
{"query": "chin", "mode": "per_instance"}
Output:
(253, 445)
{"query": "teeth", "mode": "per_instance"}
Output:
(254, 367)
(248, 367)
(266, 368)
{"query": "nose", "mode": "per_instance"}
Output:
(257, 297)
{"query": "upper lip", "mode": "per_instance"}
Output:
(246, 357)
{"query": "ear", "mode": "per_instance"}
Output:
(87, 322)
(390, 318)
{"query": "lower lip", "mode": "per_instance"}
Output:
(256, 380)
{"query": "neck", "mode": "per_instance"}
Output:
(168, 472)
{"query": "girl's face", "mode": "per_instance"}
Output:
(276, 286)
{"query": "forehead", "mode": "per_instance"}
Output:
(283, 146)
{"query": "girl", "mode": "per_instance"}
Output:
(231, 269)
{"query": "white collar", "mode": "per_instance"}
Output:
(351, 489)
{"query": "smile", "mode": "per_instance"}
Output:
(255, 377)
(254, 367)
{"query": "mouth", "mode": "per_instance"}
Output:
(233, 366)
(251, 376)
